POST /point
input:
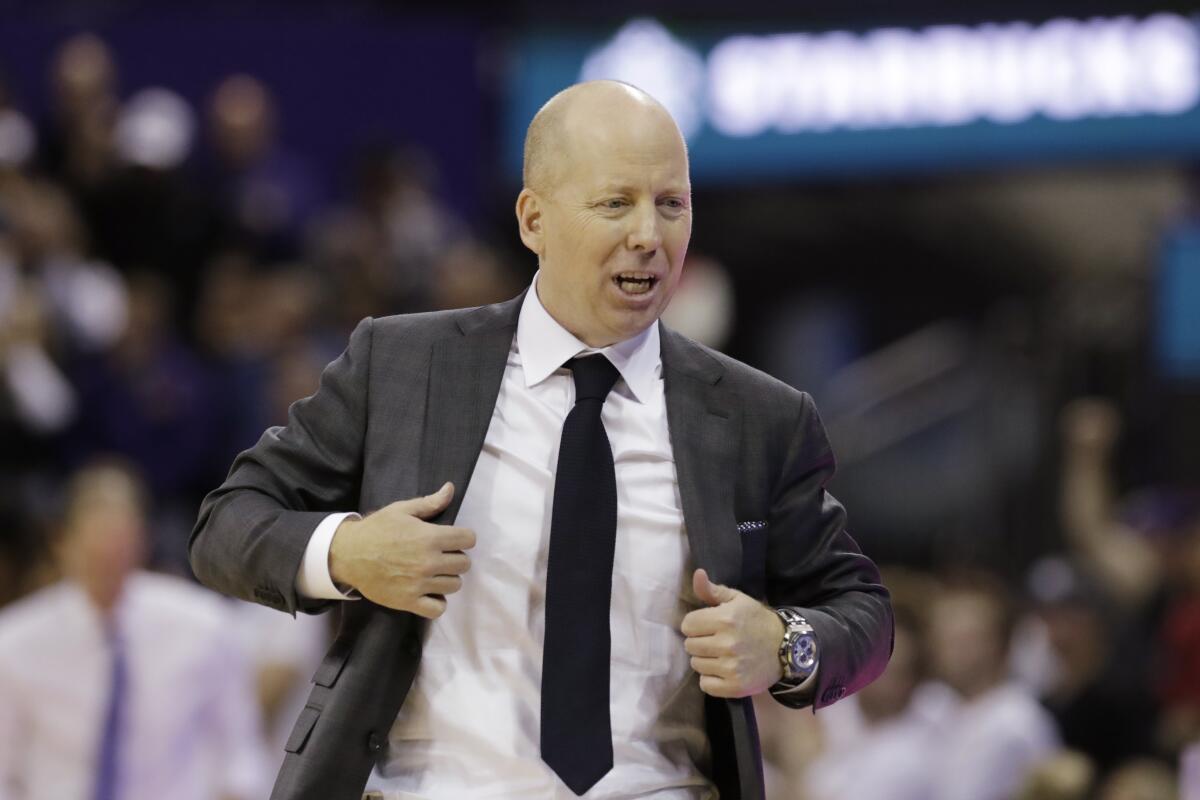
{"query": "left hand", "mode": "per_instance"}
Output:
(734, 643)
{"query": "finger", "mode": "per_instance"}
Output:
(429, 606)
(710, 593)
(702, 622)
(713, 667)
(442, 584)
(708, 646)
(453, 563)
(428, 506)
(449, 538)
(716, 687)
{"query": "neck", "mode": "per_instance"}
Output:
(982, 685)
(103, 596)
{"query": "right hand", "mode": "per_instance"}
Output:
(395, 559)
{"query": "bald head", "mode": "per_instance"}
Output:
(580, 109)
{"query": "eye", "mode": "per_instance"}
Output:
(614, 203)
(673, 204)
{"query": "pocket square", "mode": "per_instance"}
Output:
(753, 536)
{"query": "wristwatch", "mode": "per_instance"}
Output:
(798, 651)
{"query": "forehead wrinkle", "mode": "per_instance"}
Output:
(607, 168)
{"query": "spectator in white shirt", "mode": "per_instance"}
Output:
(881, 743)
(118, 683)
(996, 732)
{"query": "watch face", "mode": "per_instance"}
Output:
(803, 651)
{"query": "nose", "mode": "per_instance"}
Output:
(644, 234)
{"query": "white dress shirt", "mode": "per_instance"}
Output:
(899, 758)
(470, 724)
(989, 744)
(190, 726)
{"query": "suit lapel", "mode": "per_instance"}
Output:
(464, 380)
(704, 424)
(703, 427)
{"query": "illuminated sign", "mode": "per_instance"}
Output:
(1177, 334)
(950, 75)
(943, 96)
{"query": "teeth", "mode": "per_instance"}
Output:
(635, 283)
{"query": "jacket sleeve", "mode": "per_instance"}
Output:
(814, 565)
(251, 533)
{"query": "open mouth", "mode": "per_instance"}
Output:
(635, 282)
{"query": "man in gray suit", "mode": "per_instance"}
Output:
(687, 514)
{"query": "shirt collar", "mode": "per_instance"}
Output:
(544, 345)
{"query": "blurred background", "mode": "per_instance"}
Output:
(972, 233)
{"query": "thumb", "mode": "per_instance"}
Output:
(430, 505)
(712, 594)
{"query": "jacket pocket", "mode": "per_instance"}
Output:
(331, 666)
(304, 725)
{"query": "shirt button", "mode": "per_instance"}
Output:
(374, 742)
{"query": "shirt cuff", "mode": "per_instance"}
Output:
(787, 687)
(313, 580)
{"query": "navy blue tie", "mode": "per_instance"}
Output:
(110, 736)
(576, 733)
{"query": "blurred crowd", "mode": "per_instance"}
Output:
(172, 278)
(1081, 681)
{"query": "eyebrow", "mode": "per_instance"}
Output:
(624, 188)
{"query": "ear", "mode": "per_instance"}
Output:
(529, 220)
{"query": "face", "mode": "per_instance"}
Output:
(103, 543)
(966, 646)
(612, 230)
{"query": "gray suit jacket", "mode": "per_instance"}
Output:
(406, 407)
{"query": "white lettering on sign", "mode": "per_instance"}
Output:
(951, 75)
(1063, 69)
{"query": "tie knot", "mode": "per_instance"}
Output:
(594, 377)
